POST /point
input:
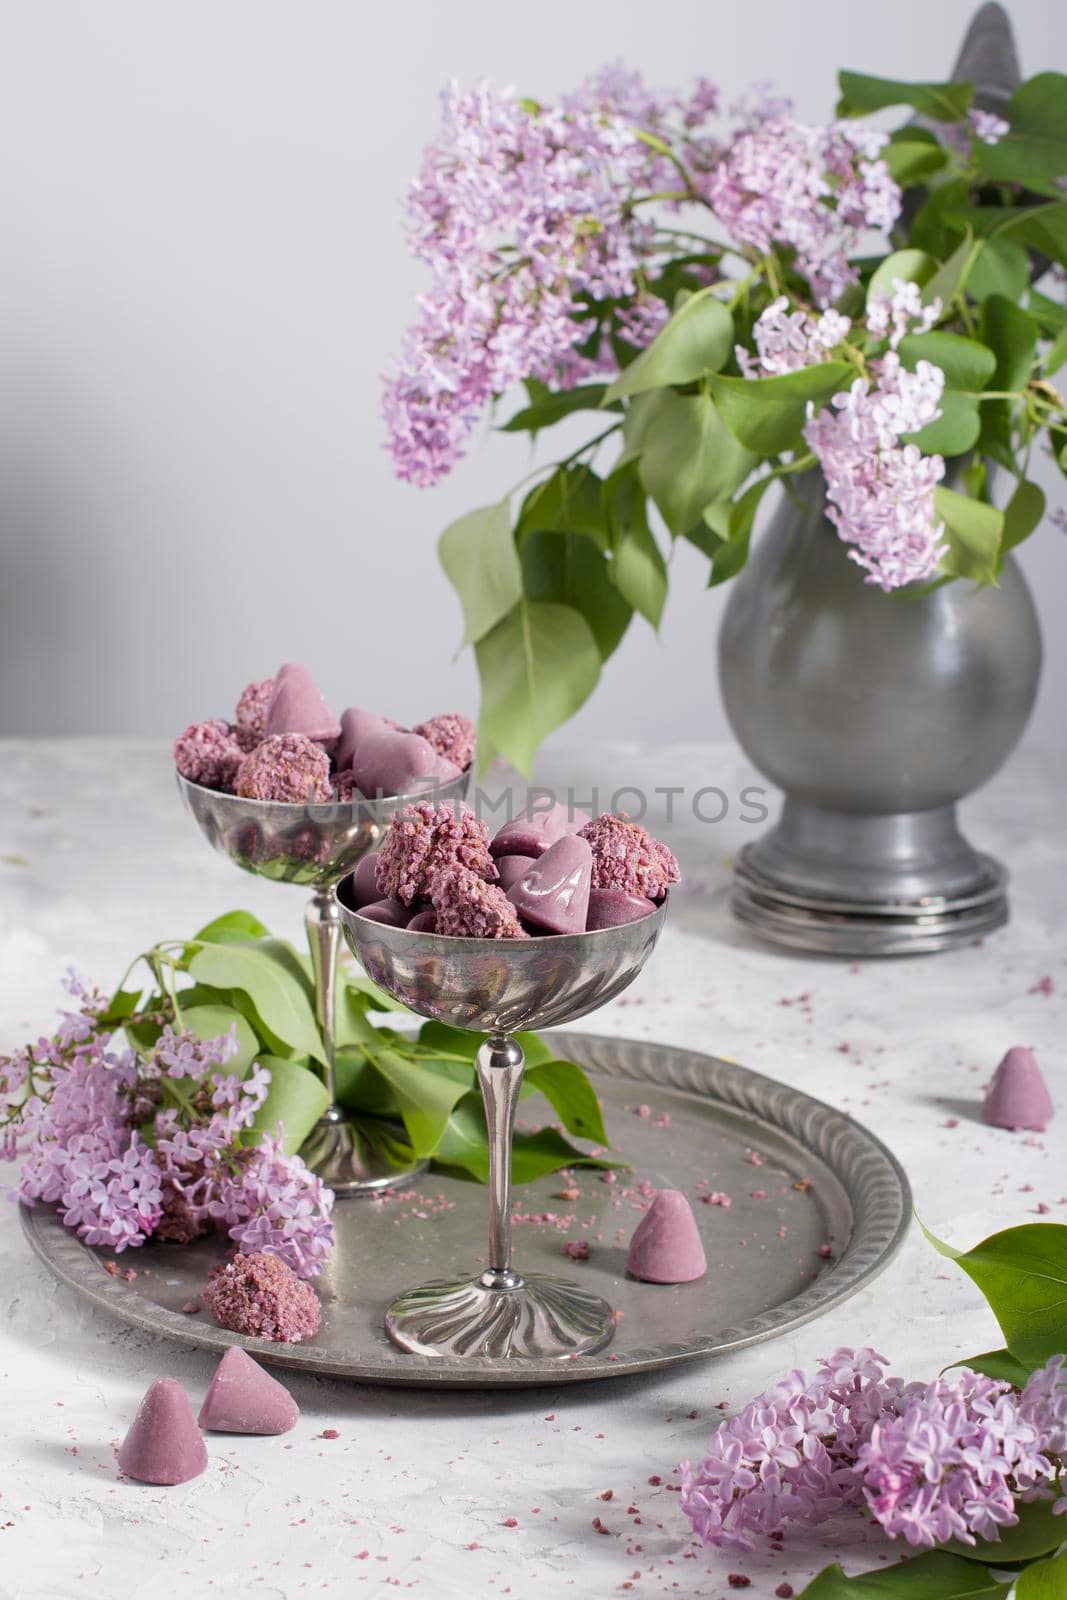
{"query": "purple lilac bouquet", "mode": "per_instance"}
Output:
(164, 1136)
(953, 1459)
(737, 298)
(969, 1470)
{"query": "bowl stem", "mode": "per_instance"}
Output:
(501, 1064)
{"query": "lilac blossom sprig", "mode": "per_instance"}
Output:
(953, 1459)
(134, 1144)
(533, 222)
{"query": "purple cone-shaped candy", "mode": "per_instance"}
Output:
(509, 869)
(394, 913)
(296, 705)
(242, 1398)
(1018, 1096)
(356, 725)
(553, 893)
(391, 762)
(610, 908)
(164, 1444)
(532, 830)
(365, 890)
(666, 1245)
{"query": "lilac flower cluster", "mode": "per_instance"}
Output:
(132, 1145)
(530, 218)
(815, 189)
(788, 340)
(519, 211)
(987, 126)
(274, 1205)
(931, 1462)
(891, 316)
(881, 492)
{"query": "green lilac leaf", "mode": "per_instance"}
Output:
(731, 556)
(1023, 1274)
(543, 413)
(269, 975)
(768, 414)
(479, 557)
(1037, 1532)
(911, 160)
(942, 102)
(966, 364)
(1047, 1580)
(954, 432)
(972, 533)
(690, 457)
(1036, 147)
(697, 340)
(537, 666)
(1001, 266)
(567, 501)
(233, 927)
(1057, 354)
(638, 569)
(933, 1576)
(1022, 514)
(951, 277)
(572, 1097)
(570, 569)
(295, 1101)
(910, 266)
(998, 1364)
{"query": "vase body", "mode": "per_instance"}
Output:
(874, 713)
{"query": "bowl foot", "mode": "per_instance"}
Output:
(500, 1315)
(352, 1164)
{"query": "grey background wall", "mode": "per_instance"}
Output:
(202, 275)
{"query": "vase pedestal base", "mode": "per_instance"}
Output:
(845, 883)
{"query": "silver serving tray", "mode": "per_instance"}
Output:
(729, 1130)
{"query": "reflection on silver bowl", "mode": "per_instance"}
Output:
(309, 844)
(314, 845)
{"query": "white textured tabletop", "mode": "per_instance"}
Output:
(459, 1494)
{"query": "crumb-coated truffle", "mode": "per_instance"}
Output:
(626, 857)
(468, 907)
(344, 786)
(421, 840)
(452, 736)
(261, 1296)
(287, 766)
(208, 753)
(251, 714)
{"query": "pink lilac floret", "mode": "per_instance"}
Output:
(251, 714)
(286, 767)
(452, 736)
(627, 857)
(469, 908)
(208, 753)
(422, 839)
(261, 1297)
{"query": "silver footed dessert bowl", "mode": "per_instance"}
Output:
(291, 793)
(513, 971)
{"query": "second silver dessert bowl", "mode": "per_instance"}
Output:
(496, 988)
